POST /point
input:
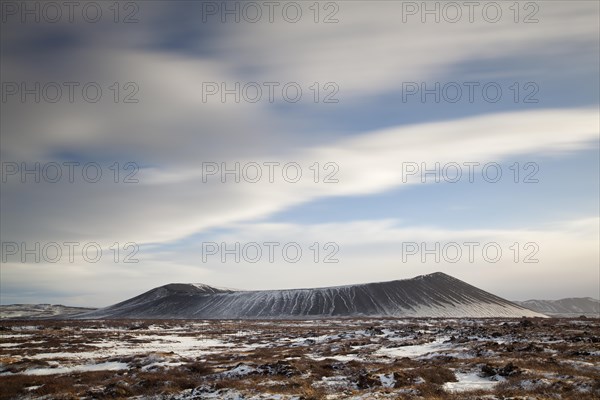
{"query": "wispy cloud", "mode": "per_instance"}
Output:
(173, 136)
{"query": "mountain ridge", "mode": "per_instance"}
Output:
(40, 311)
(566, 307)
(432, 295)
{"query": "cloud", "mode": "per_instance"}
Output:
(163, 210)
(372, 50)
(379, 250)
(366, 251)
(171, 133)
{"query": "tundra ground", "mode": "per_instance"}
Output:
(326, 359)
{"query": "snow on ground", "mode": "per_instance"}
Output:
(16, 335)
(228, 394)
(343, 357)
(349, 359)
(185, 346)
(416, 351)
(105, 366)
(470, 381)
(240, 370)
(387, 380)
(334, 382)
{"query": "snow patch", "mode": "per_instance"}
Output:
(470, 381)
(105, 366)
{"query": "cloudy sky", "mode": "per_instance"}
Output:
(327, 144)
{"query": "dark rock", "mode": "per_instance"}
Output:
(366, 381)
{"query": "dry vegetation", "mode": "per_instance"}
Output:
(337, 359)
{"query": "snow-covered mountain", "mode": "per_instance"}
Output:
(25, 311)
(434, 295)
(570, 307)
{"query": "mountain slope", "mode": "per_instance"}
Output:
(26, 311)
(434, 295)
(570, 307)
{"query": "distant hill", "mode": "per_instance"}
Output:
(25, 311)
(570, 307)
(434, 295)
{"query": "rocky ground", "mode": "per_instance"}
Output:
(333, 359)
